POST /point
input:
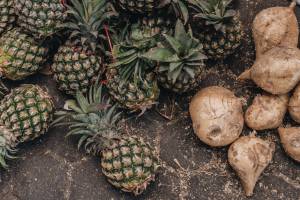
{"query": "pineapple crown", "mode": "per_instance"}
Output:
(179, 7)
(92, 118)
(7, 149)
(7, 139)
(86, 19)
(215, 12)
(3, 89)
(177, 54)
(127, 54)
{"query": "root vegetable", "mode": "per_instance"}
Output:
(294, 105)
(249, 156)
(290, 139)
(274, 27)
(277, 71)
(217, 116)
(266, 112)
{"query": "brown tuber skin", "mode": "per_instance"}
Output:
(266, 112)
(277, 71)
(217, 116)
(276, 26)
(290, 139)
(249, 156)
(294, 105)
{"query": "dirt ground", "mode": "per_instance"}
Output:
(52, 168)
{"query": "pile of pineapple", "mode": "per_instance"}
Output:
(125, 48)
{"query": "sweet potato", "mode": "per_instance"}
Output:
(294, 105)
(276, 26)
(290, 139)
(249, 156)
(277, 71)
(266, 112)
(217, 116)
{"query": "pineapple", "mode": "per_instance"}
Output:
(180, 60)
(7, 15)
(138, 96)
(20, 55)
(25, 114)
(41, 18)
(150, 7)
(157, 24)
(79, 61)
(75, 69)
(221, 31)
(131, 81)
(127, 161)
(142, 6)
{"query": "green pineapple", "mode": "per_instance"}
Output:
(25, 114)
(41, 18)
(131, 81)
(180, 60)
(127, 161)
(7, 15)
(79, 61)
(20, 55)
(221, 30)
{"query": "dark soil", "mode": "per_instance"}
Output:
(52, 168)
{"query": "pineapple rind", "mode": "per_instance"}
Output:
(184, 82)
(41, 18)
(7, 15)
(157, 24)
(75, 69)
(26, 111)
(138, 6)
(25, 115)
(129, 164)
(135, 97)
(20, 55)
(219, 45)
